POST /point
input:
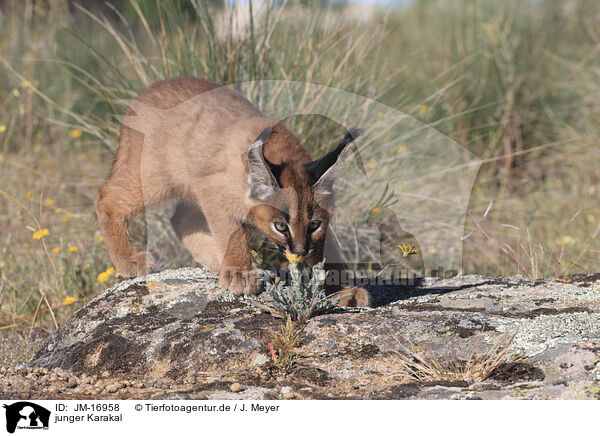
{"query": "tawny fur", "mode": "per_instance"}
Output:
(193, 149)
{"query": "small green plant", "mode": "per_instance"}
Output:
(18, 347)
(299, 299)
(282, 347)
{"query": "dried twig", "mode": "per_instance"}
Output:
(2, 288)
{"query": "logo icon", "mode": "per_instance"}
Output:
(26, 415)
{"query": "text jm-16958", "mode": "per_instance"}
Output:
(96, 407)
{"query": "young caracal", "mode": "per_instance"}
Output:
(231, 169)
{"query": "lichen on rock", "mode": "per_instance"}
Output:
(176, 334)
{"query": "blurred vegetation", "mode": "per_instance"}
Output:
(516, 82)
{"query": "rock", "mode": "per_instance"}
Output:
(72, 382)
(260, 359)
(235, 387)
(178, 325)
(287, 394)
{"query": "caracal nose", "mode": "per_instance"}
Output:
(301, 250)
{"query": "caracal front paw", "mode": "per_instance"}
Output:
(240, 281)
(135, 266)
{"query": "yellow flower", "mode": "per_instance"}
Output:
(407, 249)
(73, 249)
(2, 128)
(103, 276)
(566, 240)
(591, 218)
(68, 300)
(29, 194)
(294, 258)
(100, 239)
(86, 266)
(66, 218)
(25, 83)
(49, 202)
(75, 133)
(16, 92)
(56, 250)
(1, 158)
(401, 149)
(40, 233)
(58, 210)
(422, 109)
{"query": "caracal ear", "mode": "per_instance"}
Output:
(322, 170)
(261, 180)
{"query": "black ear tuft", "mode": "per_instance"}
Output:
(352, 134)
(264, 135)
(317, 168)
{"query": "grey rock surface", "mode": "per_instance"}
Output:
(176, 334)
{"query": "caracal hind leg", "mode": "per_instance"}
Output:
(192, 229)
(118, 201)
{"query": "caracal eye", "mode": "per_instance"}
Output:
(281, 227)
(314, 225)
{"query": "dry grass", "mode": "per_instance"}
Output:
(288, 337)
(282, 346)
(421, 366)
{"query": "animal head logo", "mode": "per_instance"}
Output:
(25, 414)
